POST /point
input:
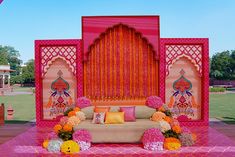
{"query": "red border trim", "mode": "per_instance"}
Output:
(205, 73)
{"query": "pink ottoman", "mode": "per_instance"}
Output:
(153, 139)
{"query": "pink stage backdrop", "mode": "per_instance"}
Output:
(185, 63)
(120, 66)
(122, 59)
(58, 63)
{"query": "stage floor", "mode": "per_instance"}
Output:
(209, 143)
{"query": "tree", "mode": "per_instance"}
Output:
(10, 55)
(28, 72)
(223, 66)
(3, 58)
(233, 63)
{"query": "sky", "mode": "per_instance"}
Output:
(23, 21)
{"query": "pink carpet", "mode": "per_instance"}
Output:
(209, 143)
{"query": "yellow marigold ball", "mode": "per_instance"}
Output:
(67, 127)
(70, 147)
(76, 109)
(57, 128)
(45, 144)
(71, 113)
(177, 129)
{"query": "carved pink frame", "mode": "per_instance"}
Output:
(38, 77)
(205, 73)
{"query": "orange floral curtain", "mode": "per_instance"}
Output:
(120, 65)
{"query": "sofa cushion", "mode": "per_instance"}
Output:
(129, 113)
(98, 118)
(141, 112)
(88, 112)
(102, 109)
(144, 112)
(114, 118)
(128, 132)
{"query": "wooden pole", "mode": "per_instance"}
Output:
(2, 114)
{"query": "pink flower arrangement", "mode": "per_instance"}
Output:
(82, 135)
(152, 135)
(84, 145)
(63, 120)
(83, 102)
(154, 102)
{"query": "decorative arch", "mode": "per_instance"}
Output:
(112, 29)
(183, 96)
(50, 62)
(59, 89)
(120, 65)
(186, 57)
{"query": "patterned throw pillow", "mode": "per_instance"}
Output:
(98, 118)
(129, 113)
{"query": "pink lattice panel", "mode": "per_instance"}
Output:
(197, 51)
(46, 51)
(192, 52)
(50, 53)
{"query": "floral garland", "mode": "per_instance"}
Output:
(175, 136)
(64, 138)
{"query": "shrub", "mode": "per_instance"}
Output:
(217, 89)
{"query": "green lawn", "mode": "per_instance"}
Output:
(23, 105)
(222, 106)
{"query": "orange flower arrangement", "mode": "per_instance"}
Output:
(67, 127)
(168, 119)
(158, 116)
(194, 136)
(76, 109)
(45, 144)
(177, 129)
(172, 143)
(71, 113)
(57, 128)
(161, 109)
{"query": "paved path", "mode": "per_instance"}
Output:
(16, 93)
(9, 131)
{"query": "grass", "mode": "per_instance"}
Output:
(217, 89)
(222, 106)
(23, 105)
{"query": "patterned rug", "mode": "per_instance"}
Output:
(209, 143)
